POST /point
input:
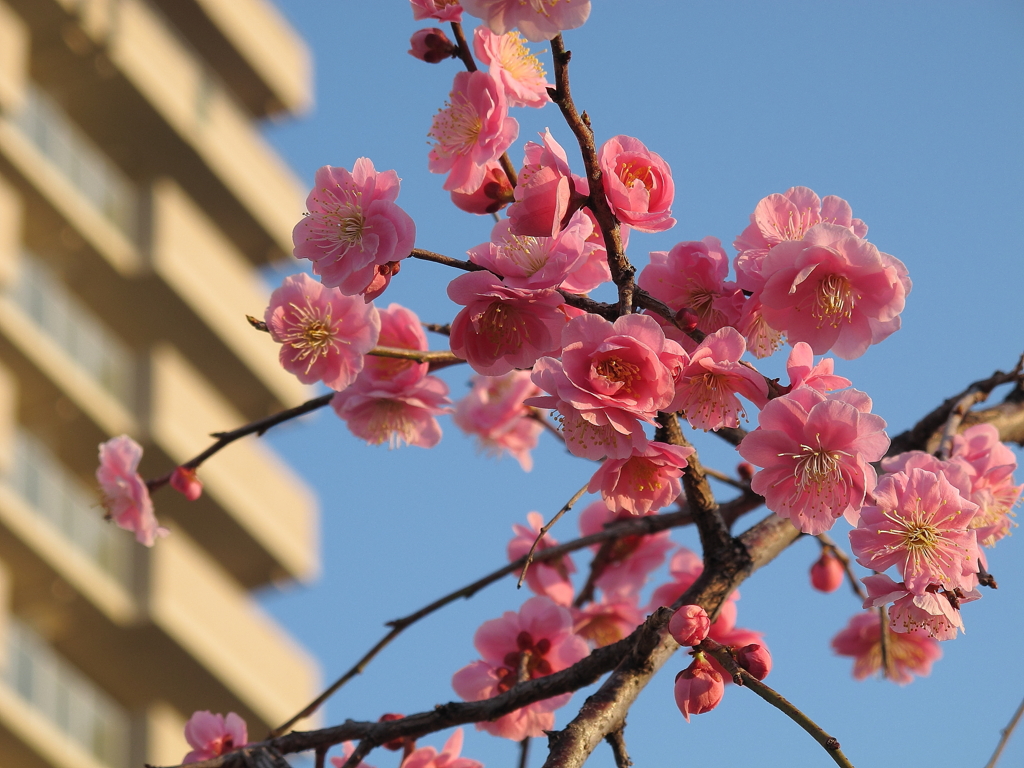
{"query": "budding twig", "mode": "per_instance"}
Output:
(1005, 736)
(547, 527)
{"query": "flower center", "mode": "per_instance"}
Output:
(921, 537)
(618, 371)
(632, 174)
(457, 128)
(816, 467)
(517, 60)
(525, 664)
(503, 327)
(834, 301)
(310, 334)
(389, 420)
(526, 252)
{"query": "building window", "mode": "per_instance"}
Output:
(91, 172)
(64, 318)
(65, 697)
(57, 496)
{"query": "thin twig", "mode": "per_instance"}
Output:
(547, 527)
(524, 752)
(362, 749)
(883, 643)
(1005, 736)
(955, 419)
(445, 329)
(617, 741)
(827, 543)
(448, 261)
(321, 753)
(724, 478)
(435, 356)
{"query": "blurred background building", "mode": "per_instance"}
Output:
(137, 203)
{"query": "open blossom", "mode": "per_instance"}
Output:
(502, 327)
(534, 642)
(708, 384)
(442, 10)
(762, 339)
(514, 66)
(125, 495)
(536, 19)
(907, 653)
(323, 333)
(545, 190)
(934, 612)
(381, 413)
(919, 524)
(693, 275)
(534, 262)
(629, 561)
(594, 270)
(804, 373)
(699, 688)
(816, 451)
(549, 578)
(448, 757)
(608, 620)
(212, 735)
(991, 465)
(471, 132)
(494, 412)
(353, 228)
(400, 328)
(638, 184)
(493, 194)
(645, 482)
(833, 290)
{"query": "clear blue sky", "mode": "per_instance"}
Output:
(911, 111)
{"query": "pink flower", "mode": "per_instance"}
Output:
(827, 573)
(534, 262)
(816, 451)
(991, 465)
(534, 642)
(502, 327)
(545, 190)
(185, 482)
(513, 65)
(629, 561)
(471, 132)
(804, 373)
(442, 10)
(493, 194)
(707, 385)
(549, 578)
(833, 290)
(779, 218)
(613, 375)
(935, 612)
(212, 735)
(431, 45)
(347, 748)
(919, 524)
(594, 270)
(689, 625)
(324, 334)
(400, 328)
(537, 19)
(125, 495)
(762, 339)
(607, 621)
(699, 687)
(693, 275)
(638, 184)
(353, 227)
(862, 639)
(428, 757)
(645, 482)
(379, 413)
(494, 412)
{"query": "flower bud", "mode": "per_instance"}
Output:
(431, 45)
(185, 482)
(827, 573)
(395, 744)
(689, 625)
(755, 659)
(745, 470)
(493, 194)
(686, 320)
(699, 688)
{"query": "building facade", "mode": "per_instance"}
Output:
(137, 203)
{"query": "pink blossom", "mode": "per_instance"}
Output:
(534, 262)
(934, 612)
(689, 625)
(699, 688)
(707, 386)
(125, 495)
(607, 621)
(502, 327)
(756, 659)
(550, 577)
(536, 641)
(638, 184)
(347, 748)
(780, 218)
(431, 45)
(323, 333)
(833, 290)
(827, 573)
(493, 194)
(185, 482)
(594, 270)
(380, 413)
(919, 524)
(614, 375)
(536, 19)
(907, 653)
(816, 451)
(428, 757)
(630, 560)
(212, 735)
(494, 412)
(353, 227)
(684, 568)
(400, 328)
(991, 465)
(762, 339)
(645, 482)
(471, 132)
(513, 65)
(442, 10)
(804, 373)
(693, 275)
(546, 189)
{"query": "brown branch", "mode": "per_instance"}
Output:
(524, 752)
(1005, 736)
(448, 261)
(617, 741)
(955, 419)
(1007, 417)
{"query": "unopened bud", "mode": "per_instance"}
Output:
(745, 471)
(686, 320)
(699, 688)
(431, 45)
(185, 482)
(827, 573)
(689, 625)
(755, 659)
(395, 744)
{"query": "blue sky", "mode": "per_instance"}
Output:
(913, 112)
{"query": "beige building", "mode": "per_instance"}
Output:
(137, 201)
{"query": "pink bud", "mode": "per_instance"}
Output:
(431, 45)
(185, 482)
(755, 659)
(827, 573)
(493, 194)
(686, 320)
(395, 744)
(699, 688)
(745, 470)
(689, 625)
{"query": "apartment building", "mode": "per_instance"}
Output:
(137, 203)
